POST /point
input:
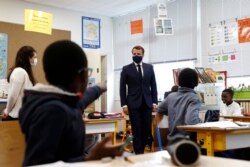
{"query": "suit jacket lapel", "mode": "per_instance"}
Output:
(144, 70)
(134, 68)
(135, 71)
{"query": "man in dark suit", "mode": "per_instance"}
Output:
(138, 94)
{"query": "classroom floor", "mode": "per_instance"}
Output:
(129, 148)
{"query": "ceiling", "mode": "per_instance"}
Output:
(109, 8)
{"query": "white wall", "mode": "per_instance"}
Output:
(214, 12)
(177, 47)
(13, 11)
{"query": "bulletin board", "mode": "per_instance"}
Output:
(17, 38)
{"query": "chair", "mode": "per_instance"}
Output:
(12, 144)
(212, 115)
(126, 133)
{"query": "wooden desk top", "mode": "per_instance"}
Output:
(214, 129)
(86, 120)
(156, 159)
(236, 117)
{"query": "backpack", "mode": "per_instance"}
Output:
(96, 115)
(212, 116)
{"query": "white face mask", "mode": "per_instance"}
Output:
(34, 62)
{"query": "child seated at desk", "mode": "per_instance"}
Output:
(183, 106)
(232, 108)
(229, 107)
(51, 117)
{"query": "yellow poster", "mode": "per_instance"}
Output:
(38, 21)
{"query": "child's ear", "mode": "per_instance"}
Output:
(197, 82)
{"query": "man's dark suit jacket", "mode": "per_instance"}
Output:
(132, 90)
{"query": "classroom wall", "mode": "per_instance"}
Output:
(12, 11)
(191, 19)
(208, 11)
(182, 45)
(158, 48)
(17, 37)
(225, 12)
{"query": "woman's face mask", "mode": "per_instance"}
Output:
(34, 63)
(33, 60)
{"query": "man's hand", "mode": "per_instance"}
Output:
(125, 110)
(154, 108)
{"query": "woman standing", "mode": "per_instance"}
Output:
(20, 77)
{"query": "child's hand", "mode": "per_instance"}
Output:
(101, 150)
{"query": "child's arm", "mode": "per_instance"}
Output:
(192, 114)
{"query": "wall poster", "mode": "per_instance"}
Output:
(244, 30)
(90, 32)
(3, 55)
(223, 33)
(38, 21)
(163, 26)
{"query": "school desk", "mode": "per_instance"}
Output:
(153, 159)
(98, 126)
(3, 103)
(12, 141)
(219, 139)
(238, 118)
(12, 144)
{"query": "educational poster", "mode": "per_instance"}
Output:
(162, 10)
(90, 32)
(223, 33)
(215, 35)
(4, 87)
(3, 55)
(231, 33)
(222, 58)
(244, 30)
(38, 21)
(163, 26)
(136, 26)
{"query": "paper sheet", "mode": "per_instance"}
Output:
(219, 124)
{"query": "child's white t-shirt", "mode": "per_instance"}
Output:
(233, 109)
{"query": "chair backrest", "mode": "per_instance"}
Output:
(12, 144)
(212, 116)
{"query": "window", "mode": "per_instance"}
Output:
(164, 75)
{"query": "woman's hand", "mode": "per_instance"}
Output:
(5, 114)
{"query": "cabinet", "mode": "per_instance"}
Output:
(210, 95)
(211, 84)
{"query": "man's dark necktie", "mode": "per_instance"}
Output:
(139, 70)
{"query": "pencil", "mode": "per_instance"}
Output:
(128, 160)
